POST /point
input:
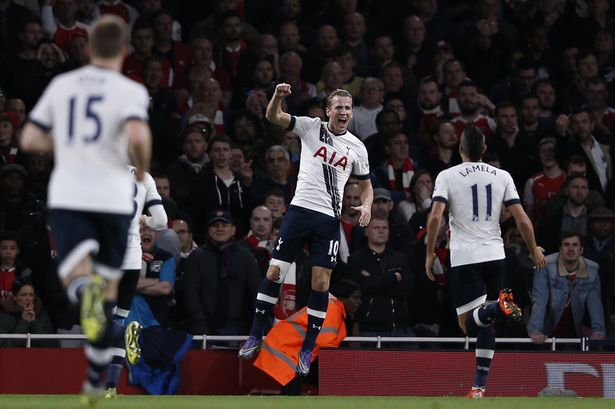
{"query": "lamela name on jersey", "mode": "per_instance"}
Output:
(480, 167)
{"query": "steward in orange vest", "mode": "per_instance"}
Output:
(279, 354)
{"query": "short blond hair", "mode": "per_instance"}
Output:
(108, 37)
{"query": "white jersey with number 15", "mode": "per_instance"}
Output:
(85, 109)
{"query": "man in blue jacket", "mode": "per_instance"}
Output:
(566, 295)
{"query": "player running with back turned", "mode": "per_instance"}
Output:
(475, 192)
(93, 118)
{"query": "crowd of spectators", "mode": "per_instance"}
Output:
(537, 77)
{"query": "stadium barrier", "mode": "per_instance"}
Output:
(209, 369)
(205, 339)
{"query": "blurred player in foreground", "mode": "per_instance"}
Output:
(93, 119)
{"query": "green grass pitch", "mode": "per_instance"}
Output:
(304, 402)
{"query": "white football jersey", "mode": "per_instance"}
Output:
(327, 161)
(145, 197)
(475, 192)
(85, 110)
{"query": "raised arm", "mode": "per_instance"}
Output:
(274, 114)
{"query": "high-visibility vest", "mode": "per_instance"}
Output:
(279, 355)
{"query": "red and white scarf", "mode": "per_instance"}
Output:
(408, 172)
(256, 242)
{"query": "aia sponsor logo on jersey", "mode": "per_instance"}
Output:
(332, 157)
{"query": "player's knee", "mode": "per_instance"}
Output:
(83, 268)
(320, 279)
(277, 270)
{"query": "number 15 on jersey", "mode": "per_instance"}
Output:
(78, 117)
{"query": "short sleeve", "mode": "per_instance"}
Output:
(511, 196)
(360, 168)
(440, 190)
(136, 104)
(305, 126)
(42, 113)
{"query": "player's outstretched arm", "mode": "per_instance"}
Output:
(527, 232)
(35, 139)
(274, 114)
(433, 224)
(140, 145)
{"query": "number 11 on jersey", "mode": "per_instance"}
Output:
(475, 216)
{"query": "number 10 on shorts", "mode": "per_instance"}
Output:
(334, 246)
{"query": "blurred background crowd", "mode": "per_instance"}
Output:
(536, 77)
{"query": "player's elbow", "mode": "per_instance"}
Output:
(33, 140)
(25, 143)
(272, 117)
(139, 141)
(138, 133)
(159, 225)
(158, 220)
(521, 218)
(434, 217)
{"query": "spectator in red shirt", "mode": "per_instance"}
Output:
(60, 21)
(10, 268)
(119, 8)
(544, 184)
(470, 104)
(202, 56)
(231, 46)
(142, 40)
(178, 54)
